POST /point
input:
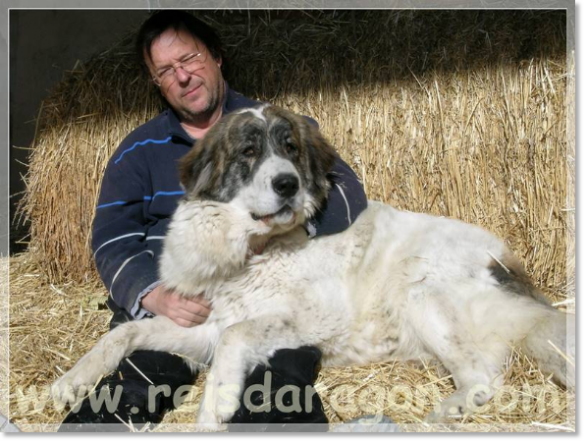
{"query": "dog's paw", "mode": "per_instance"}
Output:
(69, 389)
(447, 412)
(78, 381)
(208, 421)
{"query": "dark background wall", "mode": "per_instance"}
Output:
(44, 44)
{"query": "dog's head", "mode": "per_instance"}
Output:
(266, 160)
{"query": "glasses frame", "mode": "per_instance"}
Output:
(180, 64)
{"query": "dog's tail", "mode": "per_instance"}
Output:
(551, 342)
(549, 336)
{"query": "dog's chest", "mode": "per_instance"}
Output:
(259, 290)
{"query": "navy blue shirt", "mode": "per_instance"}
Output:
(140, 190)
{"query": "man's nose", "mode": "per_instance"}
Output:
(181, 74)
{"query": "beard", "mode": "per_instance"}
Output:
(203, 114)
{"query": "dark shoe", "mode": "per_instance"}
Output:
(131, 413)
(297, 407)
(136, 378)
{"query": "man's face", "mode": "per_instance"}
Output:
(197, 95)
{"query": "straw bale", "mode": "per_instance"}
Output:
(96, 105)
(457, 113)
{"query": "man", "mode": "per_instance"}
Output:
(140, 191)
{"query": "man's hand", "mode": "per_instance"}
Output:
(183, 311)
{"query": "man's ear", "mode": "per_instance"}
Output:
(198, 171)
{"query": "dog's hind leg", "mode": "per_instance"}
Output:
(476, 376)
(156, 334)
(476, 366)
(241, 347)
(476, 372)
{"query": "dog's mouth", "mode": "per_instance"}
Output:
(283, 216)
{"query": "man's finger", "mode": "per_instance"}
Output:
(192, 316)
(196, 308)
(185, 322)
(201, 300)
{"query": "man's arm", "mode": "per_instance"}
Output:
(127, 245)
(346, 201)
(124, 256)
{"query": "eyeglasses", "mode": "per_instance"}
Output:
(190, 64)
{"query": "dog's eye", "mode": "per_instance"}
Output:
(291, 148)
(249, 151)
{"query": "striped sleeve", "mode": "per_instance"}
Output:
(125, 259)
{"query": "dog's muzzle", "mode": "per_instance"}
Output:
(285, 185)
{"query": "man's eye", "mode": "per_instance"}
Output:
(164, 72)
(189, 58)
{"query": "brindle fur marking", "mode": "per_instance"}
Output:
(516, 279)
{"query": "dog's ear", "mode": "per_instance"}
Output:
(321, 156)
(198, 170)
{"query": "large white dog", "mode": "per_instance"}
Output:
(395, 285)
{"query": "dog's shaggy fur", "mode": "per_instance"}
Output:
(395, 285)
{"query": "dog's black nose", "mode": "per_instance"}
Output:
(286, 185)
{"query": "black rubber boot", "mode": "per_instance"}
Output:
(288, 382)
(139, 402)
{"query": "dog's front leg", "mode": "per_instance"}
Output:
(241, 347)
(154, 334)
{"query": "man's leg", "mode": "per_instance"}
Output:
(166, 373)
(281, 397)
(143, 370)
